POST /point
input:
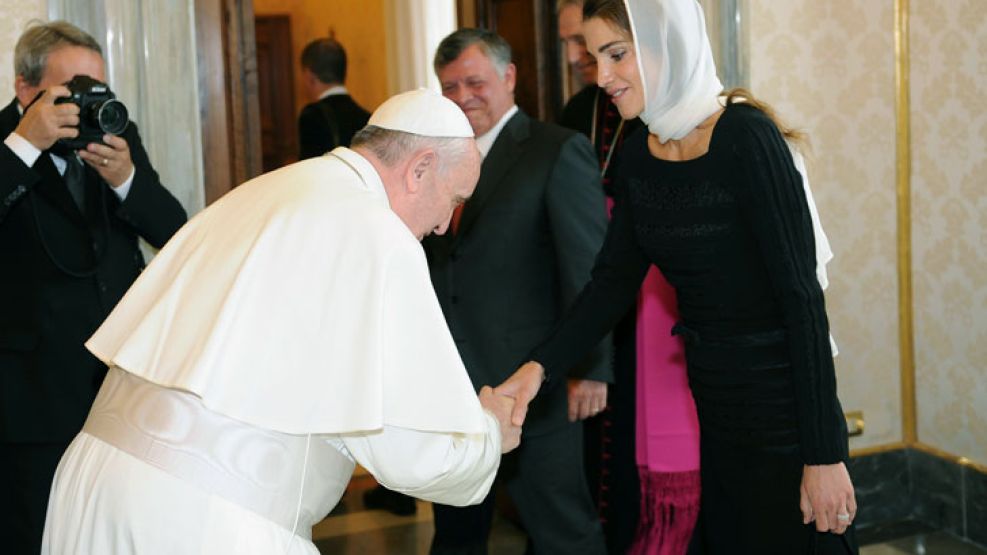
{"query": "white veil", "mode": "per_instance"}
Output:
(681, 88)
(676, 65)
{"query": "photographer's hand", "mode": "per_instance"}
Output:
(44, 122)
(112, 160)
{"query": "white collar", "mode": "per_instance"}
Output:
(363, 168)
(333, 91)
(485, 142)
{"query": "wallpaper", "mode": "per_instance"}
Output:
(949, 222)
(828, 68)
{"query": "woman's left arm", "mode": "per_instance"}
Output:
(776, 208)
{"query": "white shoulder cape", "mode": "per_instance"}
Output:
(300, 303)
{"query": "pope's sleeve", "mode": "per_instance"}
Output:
(449, 468)
(436, 442)
(425, 385)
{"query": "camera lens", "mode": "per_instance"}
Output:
(112, 117)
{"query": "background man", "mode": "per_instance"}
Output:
(69, 224)
(285, 333)
(333, 117)
(590, 110)
(611, 465)
(519, 251)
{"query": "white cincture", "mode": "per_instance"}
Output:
(259, 470)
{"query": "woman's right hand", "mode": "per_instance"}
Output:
(522, 386)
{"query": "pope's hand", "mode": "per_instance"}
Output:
(523, 385)
(501, 407)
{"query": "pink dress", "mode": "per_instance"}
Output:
(667, 434)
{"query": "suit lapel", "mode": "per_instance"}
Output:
(505, 152)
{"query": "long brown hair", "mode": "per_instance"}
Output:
(742, 95)
(614, 12)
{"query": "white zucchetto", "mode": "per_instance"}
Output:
(422, 112)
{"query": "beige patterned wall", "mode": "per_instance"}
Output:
(949, 207)
(828, 67)
(14, 14)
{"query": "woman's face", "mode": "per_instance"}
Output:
(616, 64)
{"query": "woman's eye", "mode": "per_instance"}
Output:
(617, 55)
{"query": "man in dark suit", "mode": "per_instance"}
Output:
(579, 110)
(333, 117)
(521, 249)
(69, 227)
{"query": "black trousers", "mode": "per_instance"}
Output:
(546, 480)
(26, 472)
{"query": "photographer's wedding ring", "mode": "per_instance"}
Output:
(843, 517)
(104, 162)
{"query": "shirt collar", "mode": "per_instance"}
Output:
(485, 142)
(333, 91)
(363, 168)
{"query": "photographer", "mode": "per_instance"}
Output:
(70, 219)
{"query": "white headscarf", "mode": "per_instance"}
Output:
(676, 65)
(681, 88)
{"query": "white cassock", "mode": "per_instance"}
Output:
(285, 332)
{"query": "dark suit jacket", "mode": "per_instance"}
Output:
(325, 124)
(578, 111)
(47, 378)
(524, 250)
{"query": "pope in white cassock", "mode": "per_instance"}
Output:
(285, 333)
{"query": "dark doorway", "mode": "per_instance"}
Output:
(530, 27)
(276, 91)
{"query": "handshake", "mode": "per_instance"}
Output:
(508, 402)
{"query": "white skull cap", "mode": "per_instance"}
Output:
(422, 112)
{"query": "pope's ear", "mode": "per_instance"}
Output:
(423, 162)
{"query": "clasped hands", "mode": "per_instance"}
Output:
(508, 402)
(45, 122)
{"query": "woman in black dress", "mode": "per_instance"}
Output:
(709, 193)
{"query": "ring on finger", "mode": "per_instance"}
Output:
(104, 162)
(843, 517)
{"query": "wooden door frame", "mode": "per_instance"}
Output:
(227, 83)
(228, 91)
(283, 77)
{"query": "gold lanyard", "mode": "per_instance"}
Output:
(592, 135)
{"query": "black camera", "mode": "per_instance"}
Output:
(99, 111)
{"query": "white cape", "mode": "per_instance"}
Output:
(299, 303)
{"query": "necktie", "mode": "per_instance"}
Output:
(457, 215)
(75, 180)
